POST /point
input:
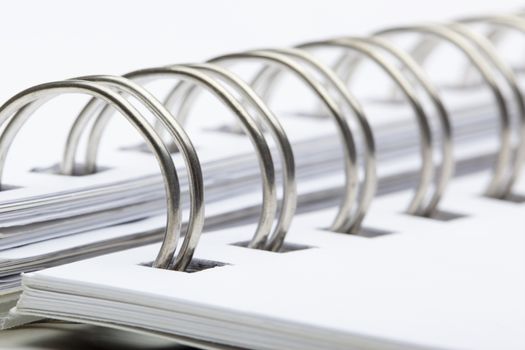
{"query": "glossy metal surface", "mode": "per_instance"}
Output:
(497, 184)
(416, 204)
(266, 79)
(253, 130)
(500, 25)
(285, 63)
(274, 240)
(347, 66)
(20, 107)
(191, 159)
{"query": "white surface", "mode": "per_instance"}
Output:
(454, 285)
(55, 40)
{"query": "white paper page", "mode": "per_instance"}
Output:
(456, 285)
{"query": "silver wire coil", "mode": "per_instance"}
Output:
(330, 84)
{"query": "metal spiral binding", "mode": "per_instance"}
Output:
(433, 179)
(274, 240)
(331, 86)
(347, 66)
(268, 76)
(501, 25)
(444, 33)
(285, 63)
(17, 110)
(367, 50)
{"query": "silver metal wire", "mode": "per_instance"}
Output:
(497, 185)
(266, 78)
(17, 110)
(497, 27)
(501, 24)
(487, 49)
(347, 66)
(289, 202)
(108, 92)
(194, 173)
(195, 76)
(416, 204)
(342, 220)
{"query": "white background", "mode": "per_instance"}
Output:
(51, 40)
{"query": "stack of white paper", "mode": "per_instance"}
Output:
(455, 284)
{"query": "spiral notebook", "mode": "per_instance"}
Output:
(343, 222)
(50, 218)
